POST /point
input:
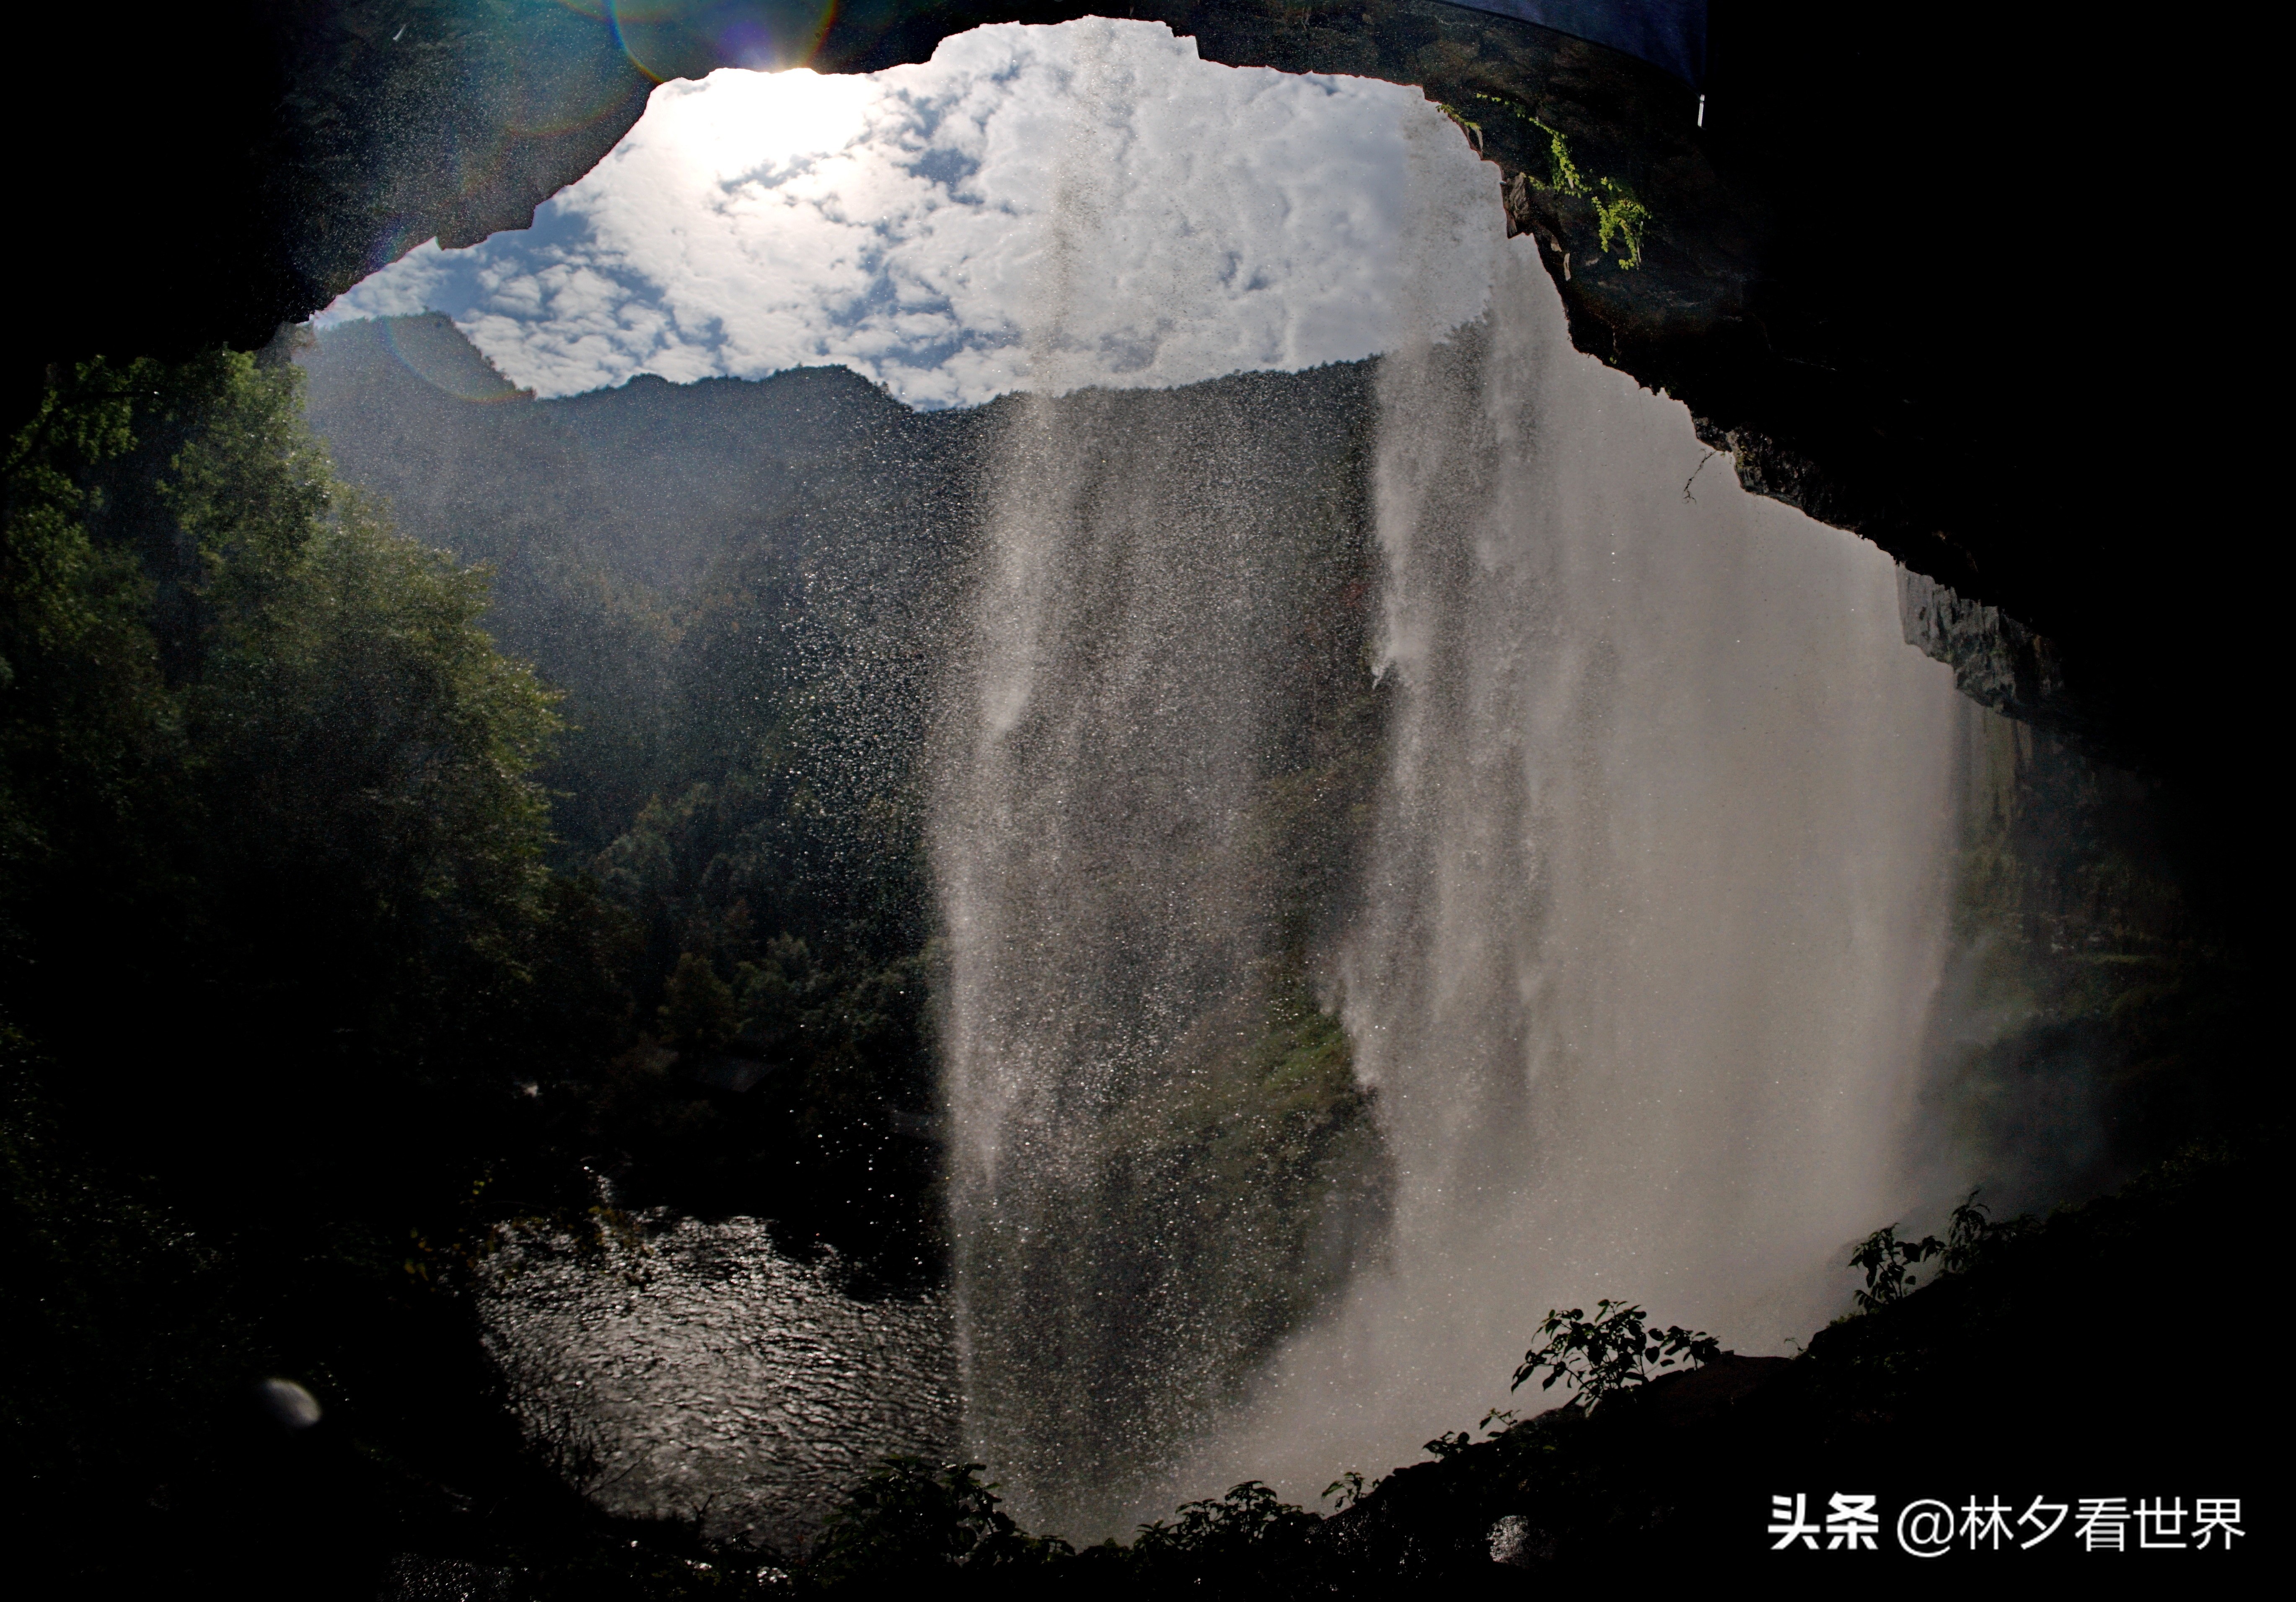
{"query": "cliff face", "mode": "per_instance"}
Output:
(1886, 273)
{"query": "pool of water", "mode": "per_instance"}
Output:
(698, 1370)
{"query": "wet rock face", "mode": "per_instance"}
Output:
(1996, 661)
(707, 1375)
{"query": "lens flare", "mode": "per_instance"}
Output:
(690, 38)
(432, 349)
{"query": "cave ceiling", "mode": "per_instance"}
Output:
(1854, 274)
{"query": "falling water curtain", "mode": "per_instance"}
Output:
(1666, 33)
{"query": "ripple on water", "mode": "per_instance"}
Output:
(706, 1373)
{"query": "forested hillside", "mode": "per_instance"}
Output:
(672, 557)
(282, 967)
(735, 587)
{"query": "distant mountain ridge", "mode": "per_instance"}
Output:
(652, 479)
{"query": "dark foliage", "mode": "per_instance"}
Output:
(282, 968)
(1887, 1262)
(1610, 1353)
(1247, 1542)
(911, 1521)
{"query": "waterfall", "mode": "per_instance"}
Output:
(1657, 895)
(1145, 635)
(1642, 902)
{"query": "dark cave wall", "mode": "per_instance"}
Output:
(1886, 274)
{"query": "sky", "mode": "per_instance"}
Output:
(1035, 207)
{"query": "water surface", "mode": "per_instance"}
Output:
(701, 1372)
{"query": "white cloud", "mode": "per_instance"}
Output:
(1043, 207)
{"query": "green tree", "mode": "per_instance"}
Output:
(248, 723)
(697, 1010)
